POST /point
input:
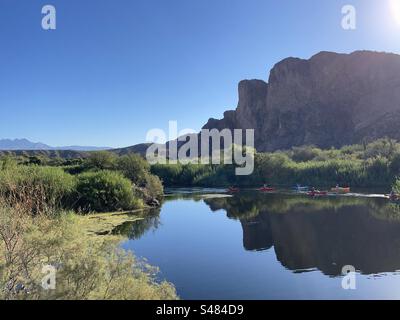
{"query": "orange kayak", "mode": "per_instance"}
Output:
(341, 190)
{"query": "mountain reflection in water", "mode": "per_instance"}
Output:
(305, 233)
(325, 233)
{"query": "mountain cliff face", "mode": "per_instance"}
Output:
(329, 100)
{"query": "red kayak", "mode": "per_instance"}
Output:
(317, 193)
(266, 189)
(233, 190)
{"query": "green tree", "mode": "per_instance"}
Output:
(102, 160)
(134, 167)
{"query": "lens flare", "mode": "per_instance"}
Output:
(395, 8)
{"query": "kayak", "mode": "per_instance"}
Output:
(317, 193)
(266, 189)
(340, 190)
(233, 190)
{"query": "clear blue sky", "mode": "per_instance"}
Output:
(114, 69)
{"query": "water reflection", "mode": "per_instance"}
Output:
(325, 233)
(136, 229)
(305, 233)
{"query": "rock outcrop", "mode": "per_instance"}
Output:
(330, 100)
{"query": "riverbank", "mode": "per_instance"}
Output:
(82, 253)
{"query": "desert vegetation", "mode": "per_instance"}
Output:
(101, 183)
(42, 229)
(51, 211)
(375, 164)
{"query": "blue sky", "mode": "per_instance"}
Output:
(112, 70)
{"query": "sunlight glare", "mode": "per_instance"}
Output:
(395, 9)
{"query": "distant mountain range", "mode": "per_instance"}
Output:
(24, 144)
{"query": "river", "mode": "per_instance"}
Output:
(271, 246)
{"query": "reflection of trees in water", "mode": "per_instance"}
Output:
(324, 233)
(247, 205)
(136, 229)
(389, 211)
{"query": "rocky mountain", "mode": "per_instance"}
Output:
(329, 100)
(24, 144)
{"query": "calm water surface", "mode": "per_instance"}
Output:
(270, 246)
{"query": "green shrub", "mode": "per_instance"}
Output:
(154, 187)
(101, 160)
(305, 153)
(396, 186)
(395, 165)
(104, 191)
(134, 167)
(168, 173)
(37, 188)
(7, 162)
(381, 148)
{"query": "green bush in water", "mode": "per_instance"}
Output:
(104, 191)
